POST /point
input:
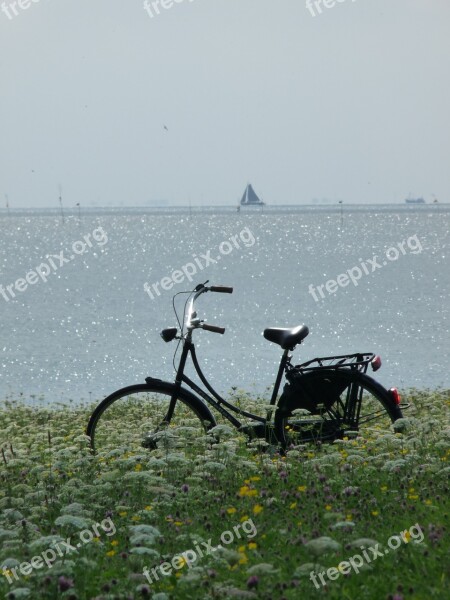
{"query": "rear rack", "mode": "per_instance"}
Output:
(356, 362)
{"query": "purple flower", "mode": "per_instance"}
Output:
(65, 583)
(185, 488)
(252, 582)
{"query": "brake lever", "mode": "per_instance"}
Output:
(200, 286)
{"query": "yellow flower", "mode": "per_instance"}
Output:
(123, 514)
(135, 518)
(374, 513)
(384, 488)
(349, 518)
(328, 507)
(231, 510)
(413, 497)
(293, 505)
(255, 478)
(247, 491)
(302, 488)
(299, 523)
(111, 553)
(257, 509)
(428, 502)
(114, 543)
(147, 508)
(407, 536)
(244, 518)
(252, 545)
(138, 467)
(96, 540)
(411, 490)
(178, 523)
(243, 559)
(241, 549)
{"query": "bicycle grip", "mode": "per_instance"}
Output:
(213, 328)
(222, 289)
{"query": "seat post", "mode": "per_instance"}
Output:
(276, 387)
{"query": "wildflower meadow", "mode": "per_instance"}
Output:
(123, 524)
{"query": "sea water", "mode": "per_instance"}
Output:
(363, 279)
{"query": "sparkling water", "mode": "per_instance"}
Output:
(369, 279)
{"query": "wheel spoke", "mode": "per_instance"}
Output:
(131, 424)
(351, 402)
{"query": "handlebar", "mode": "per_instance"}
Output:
(191, 319)
(213, 328)
(221, 289)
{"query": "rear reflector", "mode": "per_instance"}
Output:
(395, 396)
(376, 363)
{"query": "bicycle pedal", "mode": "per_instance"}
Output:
(150, 442)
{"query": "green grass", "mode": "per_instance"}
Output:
(155, 505)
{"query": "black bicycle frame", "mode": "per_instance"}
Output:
(216, 400)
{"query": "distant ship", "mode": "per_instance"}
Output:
(415, 200)
(250, 198)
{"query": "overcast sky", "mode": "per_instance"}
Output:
(350, 104)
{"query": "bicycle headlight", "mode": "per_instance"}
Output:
(169, 334)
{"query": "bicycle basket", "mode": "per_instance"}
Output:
(310, 385)
(312, 391)
(359, 362)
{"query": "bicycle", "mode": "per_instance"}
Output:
(323, 399)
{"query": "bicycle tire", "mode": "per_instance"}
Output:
(331, 422)
(141, 397)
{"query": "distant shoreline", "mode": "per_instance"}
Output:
(229, 209)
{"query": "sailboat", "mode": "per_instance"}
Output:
(250, 197)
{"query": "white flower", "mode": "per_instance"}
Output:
(322, 545)
(77, 522)
(305, 570)
(262, 569)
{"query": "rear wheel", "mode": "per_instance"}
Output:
(130, 421)
(335, 403)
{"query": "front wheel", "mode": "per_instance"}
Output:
(325, 405)
(132, 419)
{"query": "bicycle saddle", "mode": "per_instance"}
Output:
(286, 338)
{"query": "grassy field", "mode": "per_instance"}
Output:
(215, 517)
